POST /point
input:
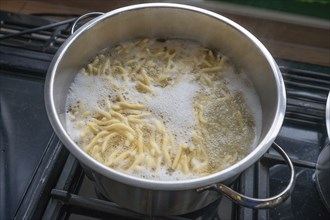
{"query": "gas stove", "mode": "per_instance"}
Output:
(40, 179)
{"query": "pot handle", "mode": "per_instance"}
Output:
(255, 202)
(90, 14)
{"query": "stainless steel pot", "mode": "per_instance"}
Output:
(164, 20)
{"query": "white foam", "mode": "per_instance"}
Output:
(89, 90)
(73, 129)
(175, 105)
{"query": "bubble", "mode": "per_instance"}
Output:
(173, 104)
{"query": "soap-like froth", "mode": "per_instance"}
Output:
(89, 91)
(175, 105)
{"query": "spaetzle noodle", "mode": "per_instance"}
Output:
(161, 109)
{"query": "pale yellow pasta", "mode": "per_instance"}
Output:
(166, 155)
(132, 106)
(89, 69)
(121, 157)
(139, 140)
(146, 78)
(142, 115)
(104, 113)
(104, 122)
(212, 69)
(143, 88)
(138, 67)
(85, 114)
(92, 127)
(137, 161)
(207, 80)
(207, 63)
(184, 164)
(134, 120)
(84, 132)
(153, 144)
(177, 158)
(118, 115)
(196, 138)
(95, 139)
(106, 66)
(151, 162)
(126, 135)
(106, 141)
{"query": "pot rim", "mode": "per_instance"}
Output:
(220, 176)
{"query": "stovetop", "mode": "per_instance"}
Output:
(41, 179)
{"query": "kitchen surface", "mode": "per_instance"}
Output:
(40, 179)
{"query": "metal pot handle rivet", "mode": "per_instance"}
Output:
(255, 202)
(91, 14)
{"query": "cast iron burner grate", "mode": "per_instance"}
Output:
(43, 35)
(306, 92)
(59, 189)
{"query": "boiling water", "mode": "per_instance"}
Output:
(234, 123)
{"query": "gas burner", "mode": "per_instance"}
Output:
(41, 179)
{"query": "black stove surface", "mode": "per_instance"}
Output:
(40, 179)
